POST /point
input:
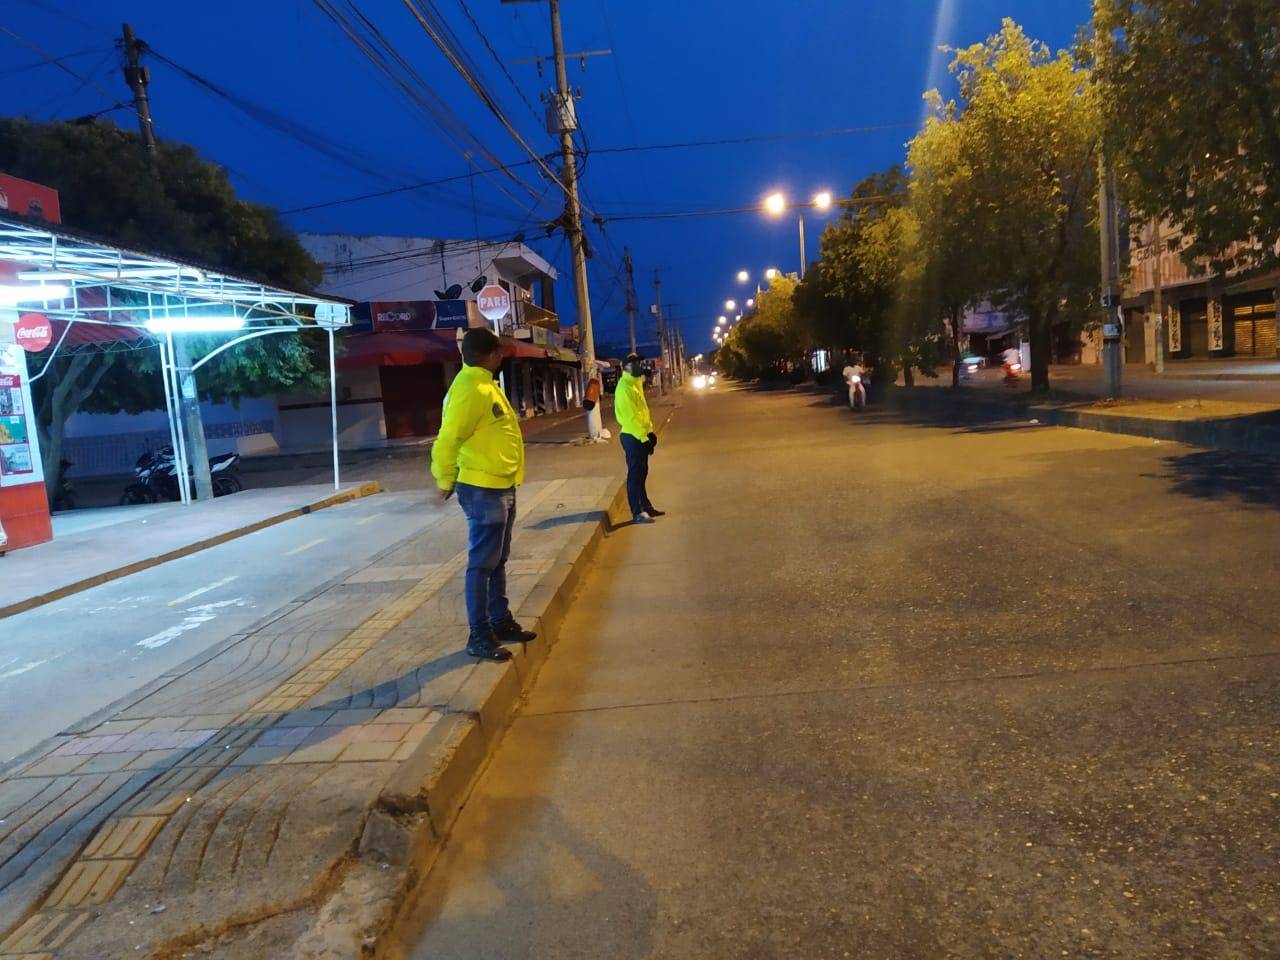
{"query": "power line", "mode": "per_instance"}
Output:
(54, 61)
(432, 25)
(728, 141)
(46, 62)
(497, 59)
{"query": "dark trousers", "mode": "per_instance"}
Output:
(637, 452)
(491, 518)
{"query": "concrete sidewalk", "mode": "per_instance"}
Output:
(269, 798)
(95, 546)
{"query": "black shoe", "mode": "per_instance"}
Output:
(511, 632)
(655, 512)
(486, 648)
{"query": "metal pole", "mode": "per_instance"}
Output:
(631, 296)
(1158, 288)
(333, 411)
(573, 211)
(172, 415)
(803, 258)
(1112, 325)
(180, 451)
(662, 331)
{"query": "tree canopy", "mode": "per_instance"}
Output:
(1190, 94)
(191, 212)
(1010, 171)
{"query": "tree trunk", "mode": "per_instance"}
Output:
(74, 384)
(955, 346)
(1041, 344)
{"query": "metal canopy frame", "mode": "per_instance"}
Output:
(133, 288)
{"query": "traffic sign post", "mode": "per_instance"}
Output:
(494, 303)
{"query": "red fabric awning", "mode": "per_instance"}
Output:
(398, 349)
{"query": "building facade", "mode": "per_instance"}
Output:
(1206, 315)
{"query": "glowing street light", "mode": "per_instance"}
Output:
(751, 303)
(743, 276)
(775, 204)
(771, 273)
(722, 321)
(731, 305)
(822, 200)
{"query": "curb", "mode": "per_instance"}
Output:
(1223, 434)
(407, 826)
(39, 600)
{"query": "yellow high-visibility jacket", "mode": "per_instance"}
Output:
(480, 441)
(631, 408)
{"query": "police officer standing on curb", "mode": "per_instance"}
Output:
(479, 455)
(638, 439)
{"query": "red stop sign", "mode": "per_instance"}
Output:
(494, 302)
(33, 332)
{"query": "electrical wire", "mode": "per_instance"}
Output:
(431, 25)
(484, 37)
(54, 61)
(46, 62)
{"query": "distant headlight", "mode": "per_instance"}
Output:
(699, 382)
(711, 380)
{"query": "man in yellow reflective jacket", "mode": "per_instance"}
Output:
(638, 439)
(479, 455)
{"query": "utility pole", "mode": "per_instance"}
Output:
(1157, 278)
(631, 296)
(138, 77)
(662, 330)
(1112, 324)
(566, 114)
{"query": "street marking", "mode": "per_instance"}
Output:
(306, 546)
(372, 516)
(196, 616)
(195, 593)
(25, 668)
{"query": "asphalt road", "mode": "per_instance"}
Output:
(889, 689)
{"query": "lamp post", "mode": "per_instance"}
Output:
(775, 205)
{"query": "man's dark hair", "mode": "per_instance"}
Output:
(478, 343)
(633, 358)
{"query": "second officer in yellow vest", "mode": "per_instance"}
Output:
(638, 439)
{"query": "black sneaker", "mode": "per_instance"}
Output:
(655, 512)
(486, 648)
(511, 632)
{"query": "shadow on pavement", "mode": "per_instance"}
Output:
(1225, 474)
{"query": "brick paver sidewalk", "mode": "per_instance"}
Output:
(234, 790)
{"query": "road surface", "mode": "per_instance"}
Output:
(885, 688)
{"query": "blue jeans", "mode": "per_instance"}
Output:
(491, 517)
(637, 454)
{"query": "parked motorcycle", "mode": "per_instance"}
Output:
(1012, 373)
(156, 477)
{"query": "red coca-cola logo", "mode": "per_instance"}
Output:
(33, 332)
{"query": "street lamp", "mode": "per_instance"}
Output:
(771, 274)
(775, 204)
(731, 305)
(743, 276)
(751, 303)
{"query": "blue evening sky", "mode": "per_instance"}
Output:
(681, 70)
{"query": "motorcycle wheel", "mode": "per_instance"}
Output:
(222, 486)
(134, 495)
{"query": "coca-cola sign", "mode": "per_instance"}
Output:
(34, 332)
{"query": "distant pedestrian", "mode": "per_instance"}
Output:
(479, 455)
(638, 439)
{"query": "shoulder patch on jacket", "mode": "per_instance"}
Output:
(497, 410)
